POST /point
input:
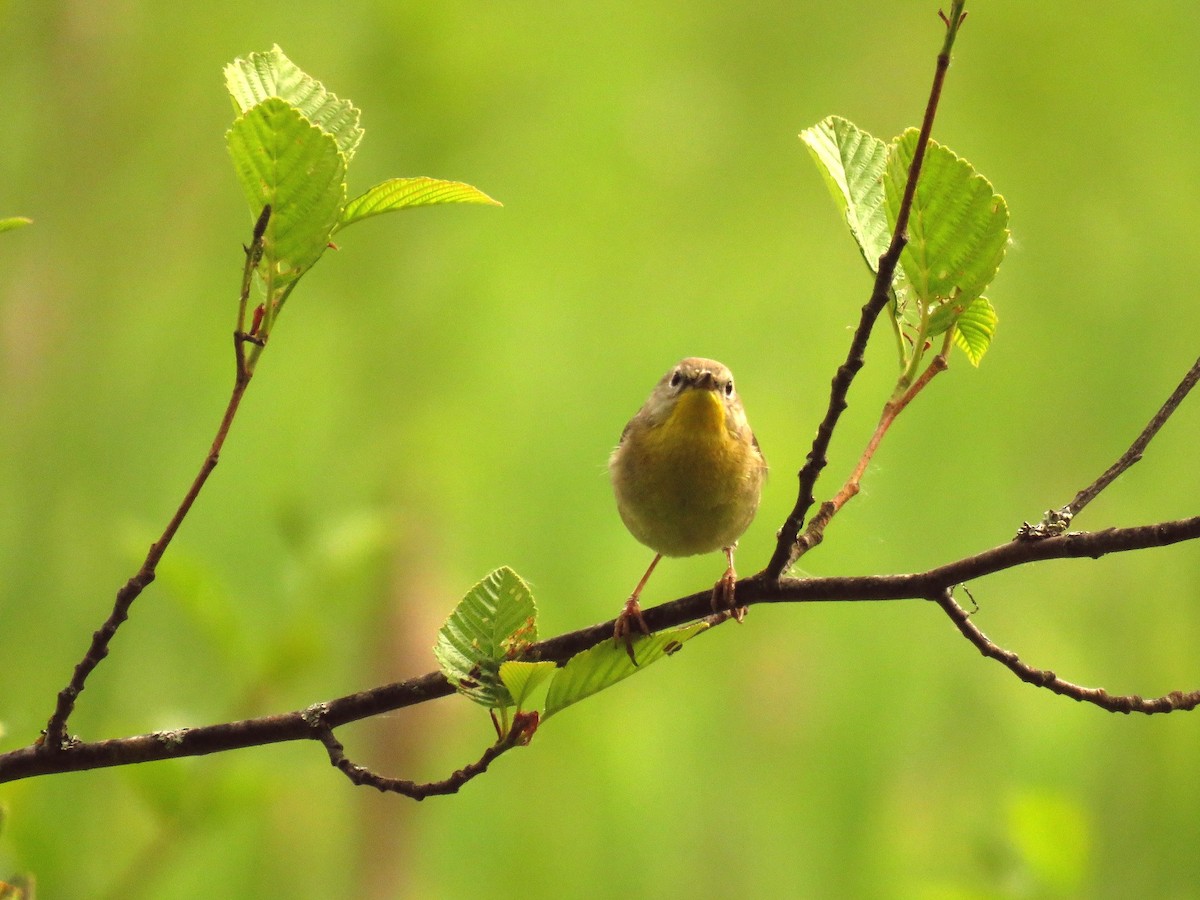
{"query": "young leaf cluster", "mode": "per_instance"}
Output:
(957, 234)
(291, 145)
(480, 645)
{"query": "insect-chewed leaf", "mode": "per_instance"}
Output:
(260, 76)
(283, 160)
(852, 163)
(607, 663)
(958, 226)
(490, 625)
(406, 193)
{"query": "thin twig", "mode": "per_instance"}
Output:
(56, 728)
(254, 254)
(815, 532)
(519, 734)
(1134, 453)
(1043, 678)
(1057, 521)
(786, 548)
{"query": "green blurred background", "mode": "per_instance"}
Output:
(441, 397)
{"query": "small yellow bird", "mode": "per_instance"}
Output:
(687, 474)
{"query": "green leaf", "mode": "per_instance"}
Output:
(975, 329)
(405, 193)
(14, 222)
(283, 160)
(523, 678)
(852, 163)
(607, 663)
(958, 227)
(261, 76)
(492, 624)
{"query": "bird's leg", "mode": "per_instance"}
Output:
(631, 615)
(722, 594)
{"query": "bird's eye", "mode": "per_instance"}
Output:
(729, 388)
(676, 378)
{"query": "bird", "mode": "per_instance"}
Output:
(687, 475)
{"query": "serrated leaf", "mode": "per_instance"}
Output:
(607, 663)
(975, 329)
(852, 163)
(974, 326)
(284, 160)
(958, 226)
(14, 222)
(406, 193)
(262, 75)
(523, 678)
(491, 624)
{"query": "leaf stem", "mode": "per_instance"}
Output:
(815, 531)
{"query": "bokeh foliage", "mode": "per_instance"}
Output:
(441, 398)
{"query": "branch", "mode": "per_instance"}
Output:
(1044, 678)
(522, 730)
(79, 756)
(1134, 453)
(789, 546)
(1056, 521)
(35, 759)
(56, 728)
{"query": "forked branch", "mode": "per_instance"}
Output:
(789, 544)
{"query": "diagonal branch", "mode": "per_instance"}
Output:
(789, 546)
(1134, 453)
(1056, 521)
(56, 729)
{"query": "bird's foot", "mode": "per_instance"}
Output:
(631, 618)
(723, 596)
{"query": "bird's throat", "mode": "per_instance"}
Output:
(698, 413)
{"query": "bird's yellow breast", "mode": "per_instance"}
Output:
(689, 484)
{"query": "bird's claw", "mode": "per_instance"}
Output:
(723, 596)
(630, 618)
